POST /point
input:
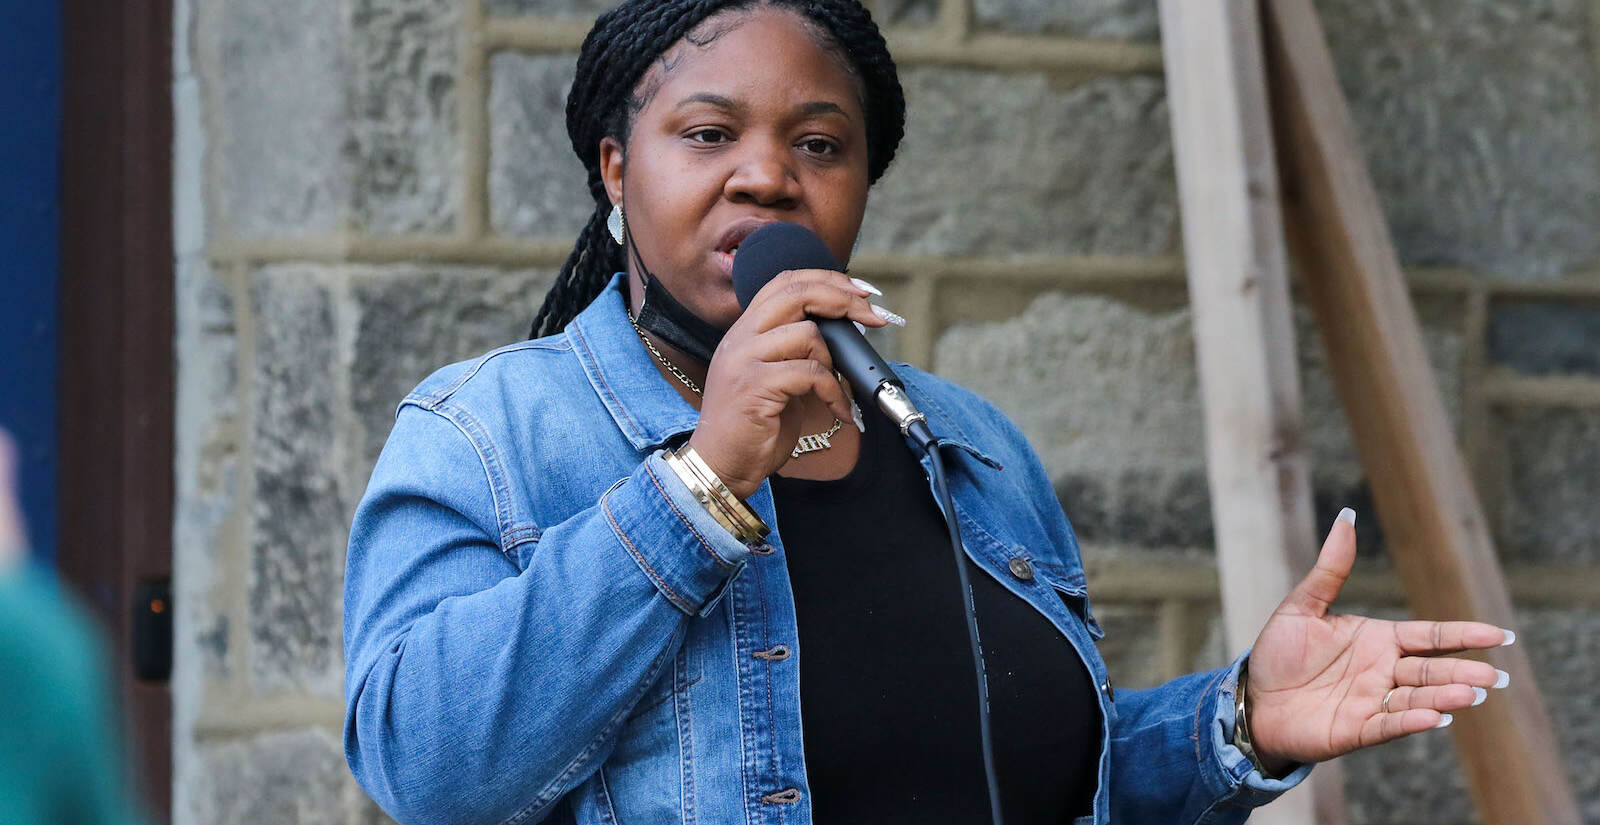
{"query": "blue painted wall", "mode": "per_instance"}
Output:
(30, 125)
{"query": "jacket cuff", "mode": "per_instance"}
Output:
(1241, 782)
(685, 553)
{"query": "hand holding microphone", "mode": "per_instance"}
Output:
(773, 356)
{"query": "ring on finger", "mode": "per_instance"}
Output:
(1386, 697)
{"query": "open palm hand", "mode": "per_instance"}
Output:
(1322, 684)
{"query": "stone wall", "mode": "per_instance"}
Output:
(367, 189)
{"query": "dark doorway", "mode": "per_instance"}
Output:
(116, 345)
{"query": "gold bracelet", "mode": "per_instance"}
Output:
(734, 515)
(749, 528)
(1241, 723)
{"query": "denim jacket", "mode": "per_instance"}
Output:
(542, 624)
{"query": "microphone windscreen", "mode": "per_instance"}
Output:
(775, 248)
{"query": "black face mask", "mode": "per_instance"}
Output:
(671, 321)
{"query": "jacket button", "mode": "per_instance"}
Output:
(1021, 568)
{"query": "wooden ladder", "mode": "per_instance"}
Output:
(1265, 150)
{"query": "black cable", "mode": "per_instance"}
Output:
(921, 438)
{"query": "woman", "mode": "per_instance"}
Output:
(560, 605)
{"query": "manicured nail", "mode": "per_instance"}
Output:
(1478, 695)
(888, 316)
(1511, 638)
(870, 289)
(861, 328)
(1444, 720)
(1348, 516)
(1501, 679)
(855, 415)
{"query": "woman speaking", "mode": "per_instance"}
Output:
(588, 567)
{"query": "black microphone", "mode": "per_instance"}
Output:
(778, 247)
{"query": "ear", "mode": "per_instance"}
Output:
(611, 168)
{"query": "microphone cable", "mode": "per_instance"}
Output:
(921, 440)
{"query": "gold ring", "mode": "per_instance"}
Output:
(1386, 699)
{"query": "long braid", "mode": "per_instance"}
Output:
(617, 53)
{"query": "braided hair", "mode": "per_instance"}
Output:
(618, 51)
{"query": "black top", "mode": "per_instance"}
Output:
(888, 698)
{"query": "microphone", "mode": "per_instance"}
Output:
(777, 247)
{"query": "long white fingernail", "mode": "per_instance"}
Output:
(860, 327)
(886, 315)
(1478, 695)
(855, 416)
(1501, 679)
(1348, 516)
(1444, 720)
(866, 286)
(1511, 638)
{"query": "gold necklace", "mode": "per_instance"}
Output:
(807, 444)
(671, 367)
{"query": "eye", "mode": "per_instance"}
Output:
(709, 135)
(819, 146)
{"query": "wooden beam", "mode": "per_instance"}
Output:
(1244, 331)
(1430, 514)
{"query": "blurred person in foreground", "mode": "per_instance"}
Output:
(562, 601)
(60, 759)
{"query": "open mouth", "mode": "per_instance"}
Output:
(735, 234)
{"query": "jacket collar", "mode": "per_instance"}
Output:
(647, 408)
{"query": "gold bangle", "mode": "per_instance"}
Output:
(701, 492)
(750, 529)
(734, 515)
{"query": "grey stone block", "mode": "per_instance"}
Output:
(885, 12)
(410, 323)
(299, 515)
(1563, 646)
(327, 119)
(1416, 779)
(1546, 338)
(1108, 394)
(1552, 481)
(1106, 19)
(1131, 647)
(279, 107)
(1008, 165)
(207, 457)
(583, 9)
(1477, 117)
(402, 139)
(888, 13)
(537, 186)
(293, 777)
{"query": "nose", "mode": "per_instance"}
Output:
(763, 174)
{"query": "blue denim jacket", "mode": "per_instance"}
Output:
(542, 624)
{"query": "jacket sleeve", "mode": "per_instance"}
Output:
(481, 691)
(1173, 758)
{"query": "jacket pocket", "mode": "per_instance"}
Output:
(1077, 602)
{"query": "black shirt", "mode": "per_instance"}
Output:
(888, 698)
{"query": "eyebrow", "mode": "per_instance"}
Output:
(713, 99)
(811, 109)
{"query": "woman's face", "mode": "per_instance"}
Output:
(760, 124)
